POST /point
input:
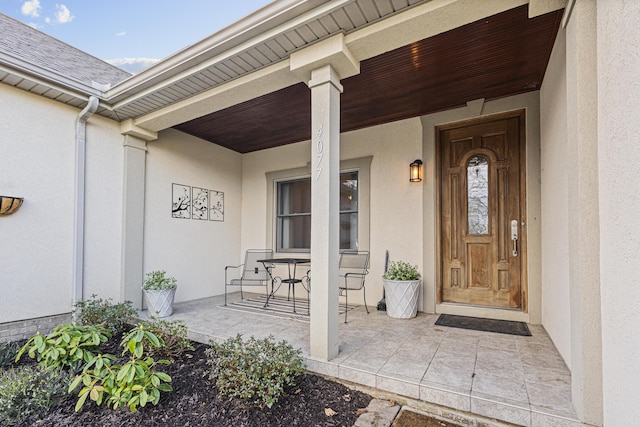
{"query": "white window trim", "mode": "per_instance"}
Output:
(362, 165)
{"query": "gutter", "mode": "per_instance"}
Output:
(78, 232)
(236, 37)
(48, 78)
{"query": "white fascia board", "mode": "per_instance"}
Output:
(417, 23)
(421, 22)
(244, 34)
(541, 7)
(48, 78)
(261, 82)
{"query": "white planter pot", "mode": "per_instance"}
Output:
(160, 303)
(401, 297)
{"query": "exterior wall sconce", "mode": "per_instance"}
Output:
(9, 205)
(415, 171)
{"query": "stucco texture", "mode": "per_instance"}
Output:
(195, 252)
(395, 203)
(556, 310)
(37, 143)
(618, 160)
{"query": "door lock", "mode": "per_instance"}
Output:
(514, 236)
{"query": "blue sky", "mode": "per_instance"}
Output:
(130, 34)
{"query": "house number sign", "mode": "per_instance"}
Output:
(319, 149)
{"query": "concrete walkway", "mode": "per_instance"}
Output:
(459, 374)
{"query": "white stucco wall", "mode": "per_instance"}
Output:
(254, 190)
(618, 165)
(37, 151)
(556, 310)
(193, 251)
(37, 148)
(395, 203)
(402, 214)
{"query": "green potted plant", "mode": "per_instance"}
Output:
(159, 291)
(402, 288)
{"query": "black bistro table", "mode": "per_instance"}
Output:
(291, 280)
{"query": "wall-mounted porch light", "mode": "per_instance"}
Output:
(9, 205)
(415, 171)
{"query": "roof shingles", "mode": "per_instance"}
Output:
(28, 44)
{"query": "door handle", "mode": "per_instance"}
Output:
(514, 236)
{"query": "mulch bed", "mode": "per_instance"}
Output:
(195, 402)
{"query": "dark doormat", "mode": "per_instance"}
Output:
(486, 325)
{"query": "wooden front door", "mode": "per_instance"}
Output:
(482, 211)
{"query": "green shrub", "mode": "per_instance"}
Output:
(401, 270)
(172, 333)
(68, 345)
(157, 280)
(96, 311)
(8, 351)
(255, 369)
(26, 391)
(132, 384)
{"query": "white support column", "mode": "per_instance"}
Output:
(325, 210)
(135, 150)
(322, 65)
(584, 232)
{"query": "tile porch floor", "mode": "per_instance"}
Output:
(520, 380)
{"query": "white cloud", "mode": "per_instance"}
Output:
(33, 25)
(31, 8)
(133, 65)
(63, 15)
(121, 33)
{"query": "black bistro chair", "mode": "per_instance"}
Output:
(251, 273)
(353, 269)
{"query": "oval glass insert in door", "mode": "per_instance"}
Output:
(478, 195)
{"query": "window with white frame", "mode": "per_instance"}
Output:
(288, 218)
(293, 213)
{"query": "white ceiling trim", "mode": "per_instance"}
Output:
(398, 30)
(254, 57)
(245, 88)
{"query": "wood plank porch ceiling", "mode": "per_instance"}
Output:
(503, 55)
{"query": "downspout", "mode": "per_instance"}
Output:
(78, 241)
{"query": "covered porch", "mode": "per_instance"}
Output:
(459, 374)
(369, 100)
(309, 89)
